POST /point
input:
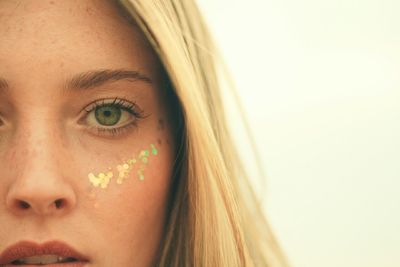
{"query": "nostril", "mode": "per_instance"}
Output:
(23, 204)
(59, 203)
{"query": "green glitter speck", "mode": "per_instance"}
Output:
(153, 149)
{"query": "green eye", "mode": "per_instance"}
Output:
(108, 115)
(111, 118)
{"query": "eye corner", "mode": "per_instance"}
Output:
(2, 122)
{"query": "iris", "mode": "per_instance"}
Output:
(108, 115)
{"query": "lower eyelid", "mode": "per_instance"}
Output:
(102, 131)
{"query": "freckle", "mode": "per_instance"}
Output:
(159, 141)
(160, 124)
(89, 10)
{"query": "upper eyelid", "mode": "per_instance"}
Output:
(105, 101)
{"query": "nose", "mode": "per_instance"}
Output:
(38, 185)
(40, 197)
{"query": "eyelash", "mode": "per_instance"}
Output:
(122, 104)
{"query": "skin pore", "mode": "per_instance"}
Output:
(81, 92)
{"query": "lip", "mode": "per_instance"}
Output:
(26, 249)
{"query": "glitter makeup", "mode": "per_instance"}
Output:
(103, 179)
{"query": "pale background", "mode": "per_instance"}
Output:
(320, 85)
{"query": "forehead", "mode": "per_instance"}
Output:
(74, 34)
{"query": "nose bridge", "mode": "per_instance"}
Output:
(39, 185)
(37, 142)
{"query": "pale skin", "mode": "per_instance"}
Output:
(48, 146)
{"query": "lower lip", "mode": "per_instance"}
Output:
(66, 264)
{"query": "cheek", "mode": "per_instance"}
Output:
(129, 211)
(135, 198)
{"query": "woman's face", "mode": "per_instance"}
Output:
(81, 100)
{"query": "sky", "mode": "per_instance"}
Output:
(320, 87)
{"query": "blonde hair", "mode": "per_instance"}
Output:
(215, 219)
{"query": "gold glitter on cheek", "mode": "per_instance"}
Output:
(140, 173)
(102, 180)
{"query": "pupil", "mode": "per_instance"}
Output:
(107, 113)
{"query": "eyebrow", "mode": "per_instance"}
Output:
(95, 78)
